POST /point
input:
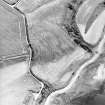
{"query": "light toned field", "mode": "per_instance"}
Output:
(12, 29)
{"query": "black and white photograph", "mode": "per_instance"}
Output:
(52, 52)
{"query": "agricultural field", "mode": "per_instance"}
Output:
(46, 53)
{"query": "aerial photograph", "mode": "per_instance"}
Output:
(52, 52)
